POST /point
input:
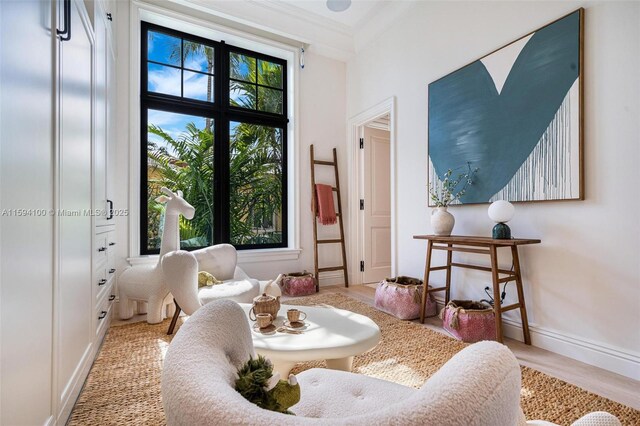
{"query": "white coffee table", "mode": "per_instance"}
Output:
(334, 335)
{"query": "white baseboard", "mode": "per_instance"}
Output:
(578, 348)
(588, 351)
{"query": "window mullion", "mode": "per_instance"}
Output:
(222, 155)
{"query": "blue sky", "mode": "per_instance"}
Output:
(164, 79)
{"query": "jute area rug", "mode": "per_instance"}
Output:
(123, 387)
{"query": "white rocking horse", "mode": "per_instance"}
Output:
(145, 283)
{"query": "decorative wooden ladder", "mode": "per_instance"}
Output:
(340, 240)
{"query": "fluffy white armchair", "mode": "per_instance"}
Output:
(180, 269)
(478, 386)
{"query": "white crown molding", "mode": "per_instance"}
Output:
(271, 19)
(306, 16)
(290, 24)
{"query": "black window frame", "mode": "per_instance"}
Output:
(223, 113)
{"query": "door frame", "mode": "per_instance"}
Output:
(355, 171)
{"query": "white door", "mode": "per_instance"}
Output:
(26, 239)
(377, 205)
(100, 144)
(74, 302)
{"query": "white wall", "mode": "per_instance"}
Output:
(321, 121)
(582, 284)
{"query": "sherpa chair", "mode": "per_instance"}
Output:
(180, 269)
(478, 386)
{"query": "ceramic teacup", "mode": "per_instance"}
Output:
(264, 320)
(293, 315)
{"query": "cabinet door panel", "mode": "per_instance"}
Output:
(74, 303)
(26, 242)
(111, 127)
(101, 127)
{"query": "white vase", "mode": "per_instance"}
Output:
(442, 221)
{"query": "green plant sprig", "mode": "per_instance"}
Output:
(449, 192)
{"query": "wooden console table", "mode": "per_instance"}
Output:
(480, 245)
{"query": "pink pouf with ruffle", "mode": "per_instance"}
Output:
(403, 301)
(469, 321)
(298, 284)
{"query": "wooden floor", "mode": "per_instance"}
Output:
(602, 382)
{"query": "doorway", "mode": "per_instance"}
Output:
(375, 209)
(372, 194)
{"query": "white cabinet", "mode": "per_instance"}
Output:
(104, 279)
(73, 339)
(105, 91)
(57, 274)
(104, 271)
(26, 240)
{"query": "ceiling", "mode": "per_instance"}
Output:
(307, 23)
(357, 13)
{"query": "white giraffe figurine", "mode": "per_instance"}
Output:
(145, 283)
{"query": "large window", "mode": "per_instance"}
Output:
(214, 125)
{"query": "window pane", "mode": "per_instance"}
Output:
(180, 157)
(163, 48)
(198, 86)
(255, 184)
(163, 79)
(270, 74)
(198, 57)
(242, 67)
(242, 94)
(269, 100)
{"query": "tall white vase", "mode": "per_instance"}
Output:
(442, 221)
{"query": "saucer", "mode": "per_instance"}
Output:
(270, 329)
(294, 324)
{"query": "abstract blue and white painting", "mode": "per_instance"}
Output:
(514, 115)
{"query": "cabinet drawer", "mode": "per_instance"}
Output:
(103, 315)
(104, 283)
(100, 253)
(111, 267)
(111, 252)
(111, 241)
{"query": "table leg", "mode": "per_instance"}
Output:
(496, 292)
(282, 367)
(425, 285)
(523, 307)
(447, 294)
(343, 364)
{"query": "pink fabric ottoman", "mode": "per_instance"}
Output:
(469, 321)
(298, 284)
(402, 300)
